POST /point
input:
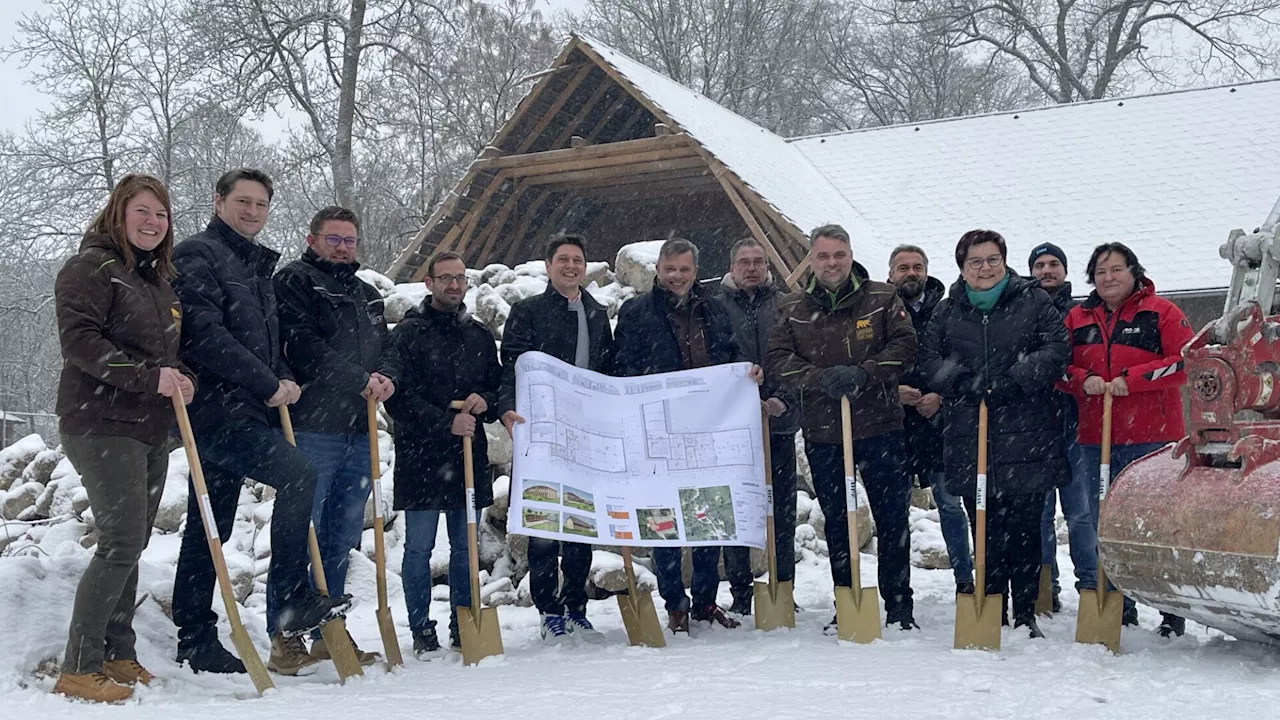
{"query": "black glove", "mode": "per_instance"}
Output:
(842, 380)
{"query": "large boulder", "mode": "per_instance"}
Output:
(928, 549)
(490, 273)
(380, 282)
(173, 501)
(804, 476)
(636, 264)
(19, 499)
(598, 273)
(492, 310)
(41, 467)
(609, 574)
(15, 459)
(499, 443)
(501, 500)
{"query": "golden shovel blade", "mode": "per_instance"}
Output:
(1098, 620)
(775, 606)
(858, 614)
(977, 622)
(480, 636)
(390, 642)
(640, 618)
(1044, 595)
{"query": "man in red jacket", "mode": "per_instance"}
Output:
(1128, 339)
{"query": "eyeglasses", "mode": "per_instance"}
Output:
(336, 240)
(451, 279)
(994, 261)
(749, 262)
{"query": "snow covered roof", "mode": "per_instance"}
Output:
(763, 160)
(1169, 175)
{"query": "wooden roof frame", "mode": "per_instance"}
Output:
(669, 160)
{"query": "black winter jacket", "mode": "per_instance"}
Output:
(230, 329)
(1063, 302)
(333, 336)
(1011, 357)
(646, 341)
(546, 324)
(923, 435)
(443, 356)
(753, 315)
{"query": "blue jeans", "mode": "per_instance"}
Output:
(955, 528)
(342, 468)
(1121, 456)
(1082, 528)
(705, 582)
(420, 527)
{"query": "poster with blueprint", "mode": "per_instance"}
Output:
(660, 460)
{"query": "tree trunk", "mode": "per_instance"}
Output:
(343, 177)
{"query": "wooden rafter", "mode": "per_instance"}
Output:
(529, 163)
(752, 224)
(606, 174)
(608, 116)
(555, 107)
(517, 239)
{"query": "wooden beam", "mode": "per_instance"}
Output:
(605, 173)
(588, 163)
(752, 224)
(562, 138)
(473, 215)
(626, 85)
(608, 116)
(555, 107)
(463, 223)
(517, 240)
(794, 277)
(694, 183)
(500, 220)
(605, 150)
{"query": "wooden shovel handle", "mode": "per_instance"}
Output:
(770, 551)
(469, 485)
(313, 545)
(375, 478)
(851, 494)
(980, 490)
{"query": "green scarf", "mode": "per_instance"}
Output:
(984, 300)
(833, 298)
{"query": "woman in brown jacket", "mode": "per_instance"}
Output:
(118, 322)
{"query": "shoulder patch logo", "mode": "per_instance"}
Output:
(862, 330)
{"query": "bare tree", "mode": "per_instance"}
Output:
(1073, 50)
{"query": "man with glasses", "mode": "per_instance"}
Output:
(750, 296)
(335, 339)
(444, 354)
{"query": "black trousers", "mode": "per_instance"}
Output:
(551, 594)
(240, 449)
(882, 460)
(1013, 546)
(737, 560)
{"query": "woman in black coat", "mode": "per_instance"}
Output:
(998, 338)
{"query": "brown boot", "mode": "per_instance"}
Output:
(320, 651)
(94, 687)
(289, 656)
(127, 672)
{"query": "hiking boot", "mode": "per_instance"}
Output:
(554, 631)
(94, 687)
(455, 640)
(904, 621)
(425, 642)
(1029, 623)
(965, 588)
(289, 656)
(1171, 624)
(833, 627)
(127, 672)
(1130, 616)
(311, 612)
(320, 651)
(579, 625)
(209, 657)
(1056, 605)
(741, 605)
(678, 621)
(714, 614)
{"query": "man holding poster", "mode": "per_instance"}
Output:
(676, 327)
(568, 324)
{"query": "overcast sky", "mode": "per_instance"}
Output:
(23, 102)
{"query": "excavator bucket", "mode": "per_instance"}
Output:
(1199, 541)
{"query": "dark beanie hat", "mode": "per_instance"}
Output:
(1047, 249)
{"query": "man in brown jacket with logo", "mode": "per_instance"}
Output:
(845, 335)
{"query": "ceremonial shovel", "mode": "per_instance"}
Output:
(387, 629)
(334, 632)
(639, 616)
(477, 626)
(1101, 610)
(775, 601)
(978, 615)
(239, 637)
(857, 608)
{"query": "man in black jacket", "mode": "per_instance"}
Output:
(1048, 264)
(568, 324)
(444, 355)
(750, 297)
(676, 327)
(909, 272)
(230, 338)
(335, 340)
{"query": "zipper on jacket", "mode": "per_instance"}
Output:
(986, 351)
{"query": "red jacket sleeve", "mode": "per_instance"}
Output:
(1166, 372)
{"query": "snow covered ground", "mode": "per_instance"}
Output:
(739, 674)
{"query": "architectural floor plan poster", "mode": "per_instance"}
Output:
(671, 459)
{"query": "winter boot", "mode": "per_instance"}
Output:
(904, 619)
(741, 605)
(127, 672)
(425, 642)
(1130, 616)
(209, 656)
(320, 651)
(1171, 624)
(832, 628)
(965, 588)
(289, 656)
(713, 614)
(1056, 607)
(554, 631)
(1029, 622)
(1004, 609)
(579, 626)
(311, 612)
(678, 621)
(94, 687)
